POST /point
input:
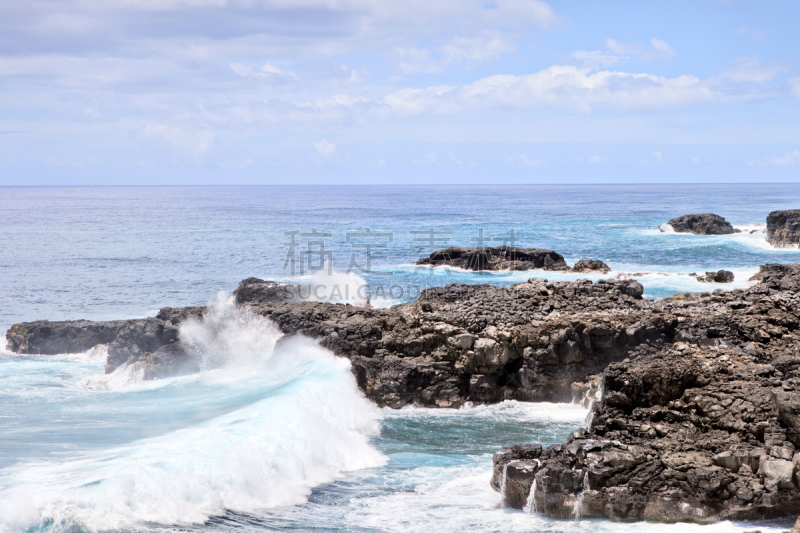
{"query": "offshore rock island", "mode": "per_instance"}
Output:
(698, 416)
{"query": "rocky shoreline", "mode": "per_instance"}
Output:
(698, 418)
(703, 428)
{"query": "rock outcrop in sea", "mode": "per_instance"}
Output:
(498, 258)
(702, 224)
(587, 266)
(783, 228)
(702, 428)
(720, 276)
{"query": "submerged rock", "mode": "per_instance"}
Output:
(702, 224)
(499, 258)
(783, 228)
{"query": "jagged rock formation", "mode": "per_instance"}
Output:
(499, 258)
(720, 276)
(455, 344)
(587, 266)
(701, 429)
(702, 224)
(783, 228)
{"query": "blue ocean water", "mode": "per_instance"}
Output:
(274, 436)
(121, 252)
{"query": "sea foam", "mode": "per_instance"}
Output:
(299, 421)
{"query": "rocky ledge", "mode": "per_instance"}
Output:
(783, 228)
(702, 224)
(499, 258)
(458, 343)
(702, 428)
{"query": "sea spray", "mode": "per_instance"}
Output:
(503, 482)
(530, 504)
(287, 417)
(598, 395)
(578, 507)
(329, 285)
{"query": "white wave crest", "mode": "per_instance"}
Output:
(666, 228)
(296, 420)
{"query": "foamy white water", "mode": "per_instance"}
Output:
(263, 424)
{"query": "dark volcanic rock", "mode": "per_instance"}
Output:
(720, 276)
(259, 290)
(455, 344)
(701, 429)
(500, 258)
(702, 224)
(586, 266)
(783, 228)
(49, 338)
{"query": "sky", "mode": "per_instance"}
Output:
(315, 92)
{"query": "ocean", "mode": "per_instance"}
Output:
(281, 439)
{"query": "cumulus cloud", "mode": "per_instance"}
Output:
(752, 70)
(570, 86)
(325, 148)
(789, 159)
(658, 50)
(532, 163)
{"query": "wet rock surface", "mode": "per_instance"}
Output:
(702, 224)
(703, 428)
(783, 228)
(720, 276)
(585, 266)
(499, 258)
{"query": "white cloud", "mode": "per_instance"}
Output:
(755, 33)
(596, 159)
(789, 159)
(485, 46)
(751, 70)
(455, 159)
(462, 51)
(657, 158)
(427, 160)
(794, 86)
(596, 58)
(658, 50)
(192, 142)
(324, 147)
(412, 60)
(532, 163)
(570, 86)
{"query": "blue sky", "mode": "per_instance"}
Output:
(260, 92)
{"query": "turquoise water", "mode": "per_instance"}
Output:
(274, 435)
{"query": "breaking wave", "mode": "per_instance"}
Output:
(286, 417)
